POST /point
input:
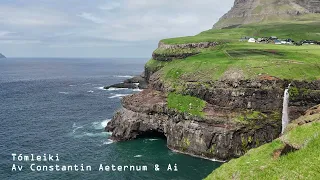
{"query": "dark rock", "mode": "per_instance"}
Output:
(216, 135)
(137, 82)
(211, 137)
(253, 11)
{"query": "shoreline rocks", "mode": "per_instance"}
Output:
(137, 82)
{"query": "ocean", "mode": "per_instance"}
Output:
(57, 106)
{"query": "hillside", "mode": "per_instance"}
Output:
(295, 155)
(2, 56)
(251, 59)
(262, 11)
(216, 95)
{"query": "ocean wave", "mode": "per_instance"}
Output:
(75, 127)
(123, 76)
(137, 90)
(101, 88)
(152, 139)
(109, 141)
(100, 124)
(118, 96)
(63, 93)
(138, 156)
(71, 85)
(88, 134)
(90, 91)
(116, 89)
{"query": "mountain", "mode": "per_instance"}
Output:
(213, 96)
(254, 11)
(2, 56)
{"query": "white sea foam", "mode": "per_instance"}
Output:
(100, 124)
(118, 96)
(137, 90)
(71, 85)
(75, 127)
(138, 156)
(109, 141)
(63, 93)
(86, 83)
(153, 139)
(116, 89)
(88, 134)
(124, 76)
(101, 88)
(90, 91)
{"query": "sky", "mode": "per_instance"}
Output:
(100, 28)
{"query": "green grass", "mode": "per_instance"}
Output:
(250, 60)
(176, 51)
(251, 117)
(259, 163)
(303, 134)
(281, 61)
(298, 30)
(186, 104)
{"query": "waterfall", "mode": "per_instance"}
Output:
(285, 113)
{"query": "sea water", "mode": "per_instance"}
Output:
(58, 106)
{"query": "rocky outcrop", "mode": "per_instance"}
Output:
(239, 115)
(213, 136)
(169, 52)
(137, 82)
(252, 11)
(200, 45)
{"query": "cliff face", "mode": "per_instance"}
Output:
(239, 115)
(253, 11)
(241, 86)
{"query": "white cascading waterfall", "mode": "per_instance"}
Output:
(285, 113)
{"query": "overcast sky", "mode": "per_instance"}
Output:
(100, 28)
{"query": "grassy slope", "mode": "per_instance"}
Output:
(188, 104)
(250, 59)
(306, 27)
(259, 163)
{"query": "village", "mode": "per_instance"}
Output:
(276, 40)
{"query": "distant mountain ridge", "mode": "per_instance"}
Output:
(253, 11)
(2, 56)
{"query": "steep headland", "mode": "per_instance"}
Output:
(260, 11)
(212, 96)
(2, 56)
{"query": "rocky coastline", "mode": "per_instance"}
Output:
(239, 115)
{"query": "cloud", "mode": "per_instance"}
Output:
(110, 6)
(32, 16)
(114, 24)
(91, 17)
(4, 34)
(20, 42)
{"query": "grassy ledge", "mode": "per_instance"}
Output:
(186, 104)
(260, 163)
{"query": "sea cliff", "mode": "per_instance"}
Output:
(239, 113)
(213, 96)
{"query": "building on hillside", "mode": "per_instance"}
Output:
(244, 39)
(273, 38)
(277, 42)
(252, 40)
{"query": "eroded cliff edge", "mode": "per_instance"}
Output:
(239, 114)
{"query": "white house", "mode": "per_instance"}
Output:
(252, 40)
